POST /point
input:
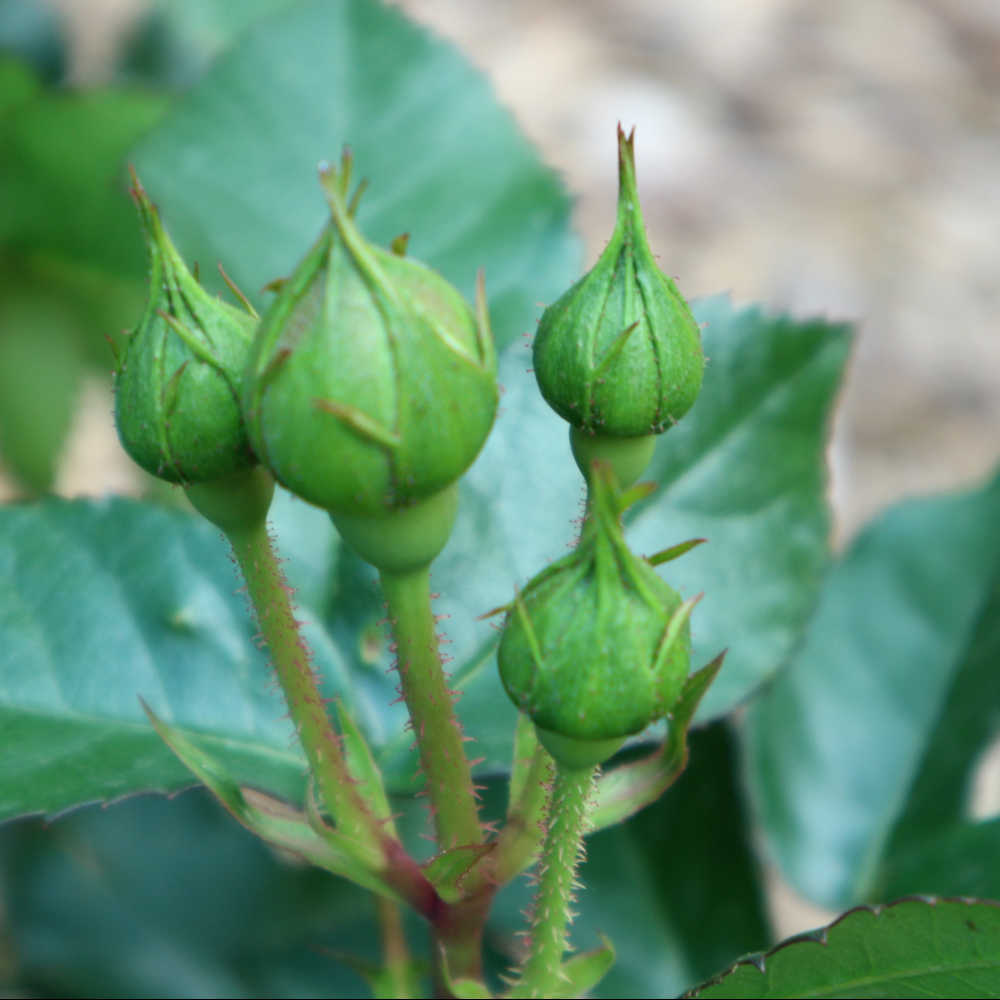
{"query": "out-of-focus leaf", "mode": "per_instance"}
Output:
(61, 178)
(888, 701)
(746, 470)
(158, 898)
(177, 39)
(962, 858)
(914, 948)
(18, 83)
(31, 31)
(40, 370)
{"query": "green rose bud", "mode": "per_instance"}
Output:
(372, 384)
(619, 354)
(596, 646)
(177, 389)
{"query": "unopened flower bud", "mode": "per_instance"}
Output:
(597, 645)
(372, 384)
(619, 354)
(177, 388)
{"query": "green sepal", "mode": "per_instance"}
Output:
(674, 551)
(364, 770)
(583, 972)
(464, 987)
(447, 870)
(625, 790)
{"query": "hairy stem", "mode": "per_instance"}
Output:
(542, 973)
(435, 725)
(269, 594)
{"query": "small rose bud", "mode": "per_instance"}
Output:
(619, 354)
(597, 645)
(372, 384)
(177, 389)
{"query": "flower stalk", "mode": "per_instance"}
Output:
(542, 975)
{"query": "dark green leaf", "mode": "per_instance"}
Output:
(914, 948)
(62, 190)
(101, 603)
(962, 859)
(940, 798)
(837, 744)
(17, 83)
(38, 385)
(157, 898)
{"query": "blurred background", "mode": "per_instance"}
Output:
(834, 159)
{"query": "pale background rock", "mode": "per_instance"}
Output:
(839, 159)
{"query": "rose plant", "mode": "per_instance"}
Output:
(366, 439)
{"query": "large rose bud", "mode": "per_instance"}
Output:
(619, 355)
(372, 384)
(597, 645)
(177, 387)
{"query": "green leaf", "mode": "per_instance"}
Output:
(174, 43)
(62, 190)
(38, 385)
(101, 603)
(473, 193)
(961, 858)
(653, 885)
(17, 83)
(746, 470)
(850, 731)
(913, 948)
(935, 847)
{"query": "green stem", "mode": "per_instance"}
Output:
(270, 596)
(435, 725)
(542, 973)
(397, 967)
(522, 834)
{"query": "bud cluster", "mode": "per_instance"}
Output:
(368, 387)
